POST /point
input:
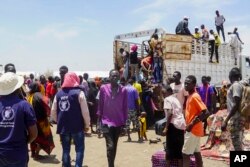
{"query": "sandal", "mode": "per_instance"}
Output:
(129, 140)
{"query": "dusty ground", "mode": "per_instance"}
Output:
(131, 154)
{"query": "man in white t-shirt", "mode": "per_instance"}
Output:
(175, 126)
(178, 89)
(219, 21)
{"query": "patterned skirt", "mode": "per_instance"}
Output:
(44, 138)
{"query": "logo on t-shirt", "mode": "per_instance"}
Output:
(8, 118)
(8, 114)
(64, 104)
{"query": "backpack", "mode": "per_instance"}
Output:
(245, 101)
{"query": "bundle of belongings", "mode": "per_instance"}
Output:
(219, 144)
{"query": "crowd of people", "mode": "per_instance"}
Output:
(210, 36)
(150, 67)
(29, 107)
(77, 105)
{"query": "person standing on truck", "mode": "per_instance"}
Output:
(195, 113)
(237, 34)
(155, 45)
(134, 62)
(219, 21)
(207, 95)
(182, 27)
(153, 42)
(211, 47)
(125, 56)
(217, 44)
(157, 68)
(156, 51)
(178, 89)
(235, 45)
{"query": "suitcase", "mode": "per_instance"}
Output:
(159, 126)
(158, 160)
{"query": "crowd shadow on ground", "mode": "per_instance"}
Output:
(51, 159)
(47, 159)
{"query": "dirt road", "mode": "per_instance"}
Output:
(129, 154)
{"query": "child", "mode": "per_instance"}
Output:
(143, 125)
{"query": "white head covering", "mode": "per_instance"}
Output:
(9, 82)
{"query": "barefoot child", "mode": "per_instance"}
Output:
(143, 126)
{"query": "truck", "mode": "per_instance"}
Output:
(184, 54)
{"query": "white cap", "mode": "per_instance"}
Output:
(196, 27)
(185, 17)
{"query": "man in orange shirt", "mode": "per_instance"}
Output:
(196, 112)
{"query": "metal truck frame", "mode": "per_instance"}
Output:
(198, 62)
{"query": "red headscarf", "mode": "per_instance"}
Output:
(134, 48)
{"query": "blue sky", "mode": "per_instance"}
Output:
(41, 35)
